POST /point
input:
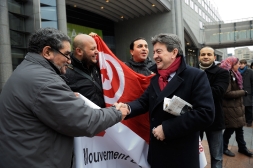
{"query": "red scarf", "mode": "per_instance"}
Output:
(165, 73)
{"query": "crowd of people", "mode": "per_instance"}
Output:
(41, 112)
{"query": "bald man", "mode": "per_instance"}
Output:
(83, 75)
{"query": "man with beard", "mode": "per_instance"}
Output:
(39, 114)
(140, 62)
(83, 75)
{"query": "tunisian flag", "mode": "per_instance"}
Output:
(122, 84)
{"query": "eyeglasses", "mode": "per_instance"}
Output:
(65, 55)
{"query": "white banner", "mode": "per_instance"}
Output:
(119, 147)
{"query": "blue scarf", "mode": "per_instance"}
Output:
(242, 70)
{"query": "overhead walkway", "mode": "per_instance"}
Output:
(233, 34)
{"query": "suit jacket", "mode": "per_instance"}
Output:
(219, 80)
(181, 145)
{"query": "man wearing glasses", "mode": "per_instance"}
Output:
(83, 75)
(39, 114)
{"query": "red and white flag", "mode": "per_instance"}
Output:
(122, 84)
(125, 144)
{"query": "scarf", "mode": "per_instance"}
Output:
(165, 73)
(242, 70)
(228, 64)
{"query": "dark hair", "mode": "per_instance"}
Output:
(251, 65)
(243, 61)
(208, 47)
(46, 37)
(170, 40)
(132, 43)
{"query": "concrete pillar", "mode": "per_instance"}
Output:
(61, 15)
(5, 45)
(35, 19)
(179, 21)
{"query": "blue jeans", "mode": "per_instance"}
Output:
(215, 143)
(239, 137)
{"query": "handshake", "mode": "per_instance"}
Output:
(124, 109)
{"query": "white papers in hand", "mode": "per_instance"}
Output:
(175, 106)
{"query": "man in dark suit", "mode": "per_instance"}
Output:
(219, 80)
(174, 140)
(247, 75)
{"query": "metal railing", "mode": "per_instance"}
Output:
(228, 21)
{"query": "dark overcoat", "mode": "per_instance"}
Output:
(232, 104)
(248, 86)
(180, 149)
(219, 80)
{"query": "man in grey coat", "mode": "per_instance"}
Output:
(39, 114)
(247, 75)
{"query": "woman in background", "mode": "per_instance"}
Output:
(233, 108)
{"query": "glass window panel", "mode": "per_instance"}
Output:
(48, 13)
(48, 2)
(17, 56)
(17, 39)
(49, 24)
(14, 7)
(191, 4)
(196, 8)
(16, 23)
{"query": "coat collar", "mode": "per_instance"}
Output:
(38, 59)
(213, 69)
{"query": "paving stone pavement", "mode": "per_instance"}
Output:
(240, 160)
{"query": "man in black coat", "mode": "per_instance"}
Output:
(174, 140)
(219, 80)
(83, 75)
(247, 75)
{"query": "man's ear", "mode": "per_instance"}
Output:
(175, 52)
(47, 53)
(131, 52)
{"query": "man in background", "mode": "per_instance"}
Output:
(140, 61)
(218, 80)
(83, 75)
(247, 76)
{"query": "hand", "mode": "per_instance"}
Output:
(92, 34)
(119, 105)
(158, 133)
(76, 94)
(123, 109)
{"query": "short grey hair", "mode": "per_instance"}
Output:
(46, 37)
(170, 40)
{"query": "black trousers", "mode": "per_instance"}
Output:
(239, 136)
(248, 114)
